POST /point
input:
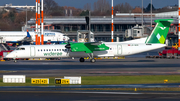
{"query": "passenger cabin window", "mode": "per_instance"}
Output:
(46, 49)
(49, 49)
(54, 49)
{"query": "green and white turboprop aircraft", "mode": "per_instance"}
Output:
(97, 49)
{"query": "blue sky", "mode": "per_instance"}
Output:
(81, 3)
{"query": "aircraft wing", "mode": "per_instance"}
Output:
(88, 47)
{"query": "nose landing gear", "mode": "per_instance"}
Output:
(15, 60)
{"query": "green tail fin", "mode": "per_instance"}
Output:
(159, 33)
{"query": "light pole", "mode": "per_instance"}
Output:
(112, 25)
(179, 28)
(26, 16)
(151, 13)
(142, 19)
(89, 26)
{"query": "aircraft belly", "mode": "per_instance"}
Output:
(102, 53)
(78, 54)
(95, 54)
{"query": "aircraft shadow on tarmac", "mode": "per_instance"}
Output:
(99, 61)
(75, 61)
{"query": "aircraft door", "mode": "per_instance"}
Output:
(59, 38)
(119, 49)
(32, 51)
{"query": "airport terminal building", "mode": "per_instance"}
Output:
(101, 25)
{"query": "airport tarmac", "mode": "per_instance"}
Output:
(86, 96)
(69, 67)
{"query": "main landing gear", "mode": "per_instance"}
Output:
(81, 59)
(92, 60)
(15, 60)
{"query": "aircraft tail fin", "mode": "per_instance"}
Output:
(159, 33)
(28, 35)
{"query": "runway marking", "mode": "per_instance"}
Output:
(105, 72)
(110, 93)
(45, 63)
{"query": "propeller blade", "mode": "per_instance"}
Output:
(68, 46)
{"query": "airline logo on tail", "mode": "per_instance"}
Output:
(28, 35)
(160, 38)
(160, 31)
(163, 28)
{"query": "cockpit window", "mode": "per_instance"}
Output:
(17, 48)
(20, 49)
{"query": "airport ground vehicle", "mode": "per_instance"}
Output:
(4, 53)
(169, 52)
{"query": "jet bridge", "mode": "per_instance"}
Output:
(3, 45)
(85, 36)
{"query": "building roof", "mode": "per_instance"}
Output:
(100, 20)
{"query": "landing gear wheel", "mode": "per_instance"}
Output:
(81, 60)
(93, 60)
(15, 61)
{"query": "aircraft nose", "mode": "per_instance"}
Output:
(67, 38)
(10, 55)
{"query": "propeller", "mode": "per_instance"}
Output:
(68, 47)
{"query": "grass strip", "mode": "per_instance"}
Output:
(107, 80)
(119, 89)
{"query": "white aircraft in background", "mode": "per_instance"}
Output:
(97, 49)
(20, 37)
